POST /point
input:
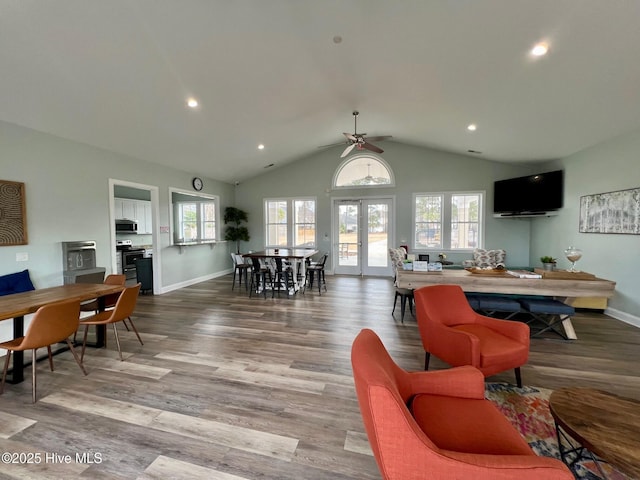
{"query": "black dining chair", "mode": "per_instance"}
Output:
(316, 269)
(240, 268)
(283, 277)
(259, 273)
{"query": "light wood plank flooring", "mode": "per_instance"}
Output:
(228, 387)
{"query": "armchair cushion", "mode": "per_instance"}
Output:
(495, 348)
(467, 426)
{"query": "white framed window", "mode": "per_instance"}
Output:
(363, 170)
(448, 220)
(290, 222)
(195, 218)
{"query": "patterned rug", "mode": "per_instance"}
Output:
(528, 410)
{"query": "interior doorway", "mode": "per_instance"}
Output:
(148, 191)
(363, 232)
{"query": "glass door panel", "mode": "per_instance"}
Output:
(376, 247)
(362, 236)
(348, 235)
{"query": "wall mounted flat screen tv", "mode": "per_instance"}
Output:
(532, 194)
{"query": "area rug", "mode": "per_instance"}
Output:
(528, 410)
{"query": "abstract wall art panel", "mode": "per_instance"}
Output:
(13, 214)
(612, 212)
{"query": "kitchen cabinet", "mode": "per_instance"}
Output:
(143, 210)
(138, 210)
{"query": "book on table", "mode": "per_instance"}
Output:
(523, 274)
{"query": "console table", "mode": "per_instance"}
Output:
(563, 289)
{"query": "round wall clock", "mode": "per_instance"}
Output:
(197, 183)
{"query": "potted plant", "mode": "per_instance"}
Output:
(548, 263)
(407, 265)
(236, 231)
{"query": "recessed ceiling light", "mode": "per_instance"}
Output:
(472, 127)
(337, 39)
(261, 147)
(192, 102)
(540, 49)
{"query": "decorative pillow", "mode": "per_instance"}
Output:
(489, 258)
(16, 283)
(397, 256)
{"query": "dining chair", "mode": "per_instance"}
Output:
(240, 268)
(109, 300)
(316, 269)
(259, 273)
(51, 324)
(122, 311)
(283, 277)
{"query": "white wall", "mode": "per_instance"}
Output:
(606, 167)
(67, 197)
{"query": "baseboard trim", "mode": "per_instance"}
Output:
(193, 281)
(623, 316)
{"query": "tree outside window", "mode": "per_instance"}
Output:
(290, 222)
(450, 221)
(196, 221)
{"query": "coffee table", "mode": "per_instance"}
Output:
(606, 425)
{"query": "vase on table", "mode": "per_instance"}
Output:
(573, 254)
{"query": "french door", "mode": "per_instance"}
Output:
(362, 236)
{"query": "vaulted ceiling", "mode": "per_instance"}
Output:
(287, 74)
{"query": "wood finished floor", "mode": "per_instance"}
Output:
(228, 387)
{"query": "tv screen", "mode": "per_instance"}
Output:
(543, 192)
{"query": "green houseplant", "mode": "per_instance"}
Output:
(236, 232)
(548, 262)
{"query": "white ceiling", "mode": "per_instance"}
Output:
(116, 74)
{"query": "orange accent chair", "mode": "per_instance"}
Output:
(452, 331)
(438, 425)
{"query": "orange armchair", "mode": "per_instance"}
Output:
(438, 425)
(452, 331)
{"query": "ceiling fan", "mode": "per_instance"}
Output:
(358, 140)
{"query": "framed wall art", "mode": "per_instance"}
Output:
(611, 212)
(13, 214)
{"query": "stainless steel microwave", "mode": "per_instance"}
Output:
(126, 226)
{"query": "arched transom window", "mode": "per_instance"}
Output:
(363, 171)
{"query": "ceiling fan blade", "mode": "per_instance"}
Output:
(348, 150)
(335, 144)
(379, 138)
(371, 147)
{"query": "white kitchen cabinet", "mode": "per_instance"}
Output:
(138, 210)
(125, 208)
(145, 222)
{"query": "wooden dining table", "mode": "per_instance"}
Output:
(564, 289)
(17, 305)
(294, 255)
